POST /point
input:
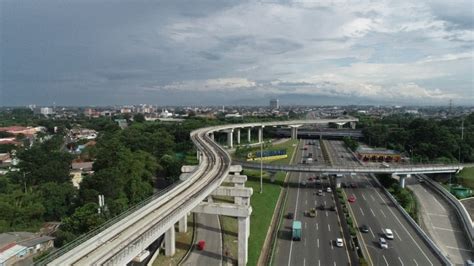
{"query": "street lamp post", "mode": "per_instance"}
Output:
(261, 166)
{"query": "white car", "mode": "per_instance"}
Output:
(388, 233)
(339, 242)
(329, 190)
(383, 243)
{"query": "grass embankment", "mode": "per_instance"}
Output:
(289, 146)
(466, 177)
(183, 244)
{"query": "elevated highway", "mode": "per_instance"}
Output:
(124, 239)
(401, 169)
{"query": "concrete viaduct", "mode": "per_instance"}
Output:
(123, 238)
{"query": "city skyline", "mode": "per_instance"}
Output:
(236, 53)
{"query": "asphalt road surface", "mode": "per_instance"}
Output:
(374, 209)
(317, 245)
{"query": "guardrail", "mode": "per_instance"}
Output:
(458, 207)
(417, 228)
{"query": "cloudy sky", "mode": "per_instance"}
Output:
(88, 52)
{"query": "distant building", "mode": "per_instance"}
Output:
(236, 115)
(46, 111)
(165, 114)
(17, 247)
(274, 104)
(122, 123)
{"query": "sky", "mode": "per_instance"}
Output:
(89, 52)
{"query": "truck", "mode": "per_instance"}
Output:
(296, 231)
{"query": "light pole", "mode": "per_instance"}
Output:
(261, 166)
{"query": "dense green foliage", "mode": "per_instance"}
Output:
(426, 139)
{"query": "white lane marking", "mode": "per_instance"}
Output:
(447, 229)
(406, 230)
(373, 199)
(363, 197)
(329, 227)
(317, 226)
(441, 206)
(362, 211)
(401, 261)
(416, 263)
(334, 263)
(319, 262)
(397, 235)
(305, 225)
(296, 213)
(383, 213)
(332, 246)
(306, 202)
(436, 214)
(304, 261)
(372, 232)
(385, 260)
(318, 242)
(326, 214)
(315, 202)
(324, 203)
(458, 248)
(372, 212)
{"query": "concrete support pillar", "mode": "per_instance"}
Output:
(244, 232)
(238, 200)
(230, 139)
(249, 134)
(402, 181)
(183, 224)
(294, 133)
(170, 241)
(339, 126)
(353, 125)
(210, 199)
(198, 156)
(260, 134)
(211, 136)
(238, 136)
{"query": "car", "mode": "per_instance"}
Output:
(201, 245)
(303, 183)
(339, 242)
(351, 198)
(290, 215)
(383, 243)
(388, 233)
(469, 263)
(310, 179)
(343, 185)
(333, 208)
(305, 148)
(328, 190)
(364, 229)
(321, 207)
(353, 185)
(312, 212)
(320, 192)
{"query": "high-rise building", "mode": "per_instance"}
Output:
(274, 104)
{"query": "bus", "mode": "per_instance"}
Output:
(296, 232)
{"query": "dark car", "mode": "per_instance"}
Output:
(364, 229)
(290, 215)
(321, 207)
(333, 208)
(353, 185)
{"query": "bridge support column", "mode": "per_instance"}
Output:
(230, 138)
(238, 136)
(260, 134)
(198, 156)
(339, 126)
(211, 136)
(170, 241)
(183, 224)
(353, 125)
(294, 131)
(244, 232)
(249, 134)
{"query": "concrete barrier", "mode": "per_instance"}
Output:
(461, 211)
(417, 228)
